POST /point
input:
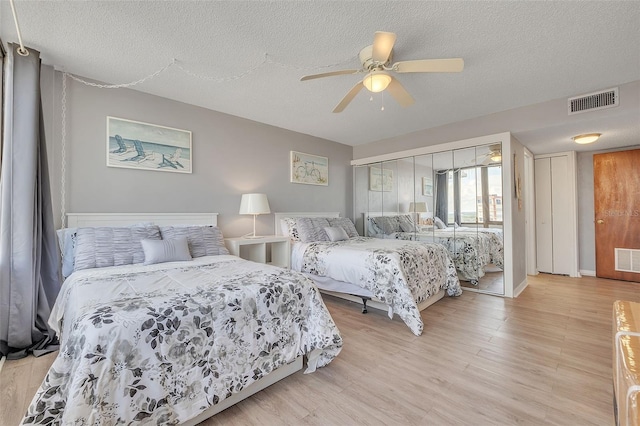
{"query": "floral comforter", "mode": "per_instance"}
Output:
(400, 274)
(159, 344)
(471, 250)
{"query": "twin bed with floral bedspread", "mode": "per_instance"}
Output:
(400, 274)
(165, 342)
(472, 249)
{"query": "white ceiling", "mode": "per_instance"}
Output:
(516, 54)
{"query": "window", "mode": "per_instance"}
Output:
(480, 195)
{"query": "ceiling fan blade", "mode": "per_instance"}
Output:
(430, 65)
(348, 97)
(399, 93)
(327, 74)
(382, 45)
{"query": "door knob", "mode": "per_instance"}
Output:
(600, 221)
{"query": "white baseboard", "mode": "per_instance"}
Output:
(587, 272)
(520, 288)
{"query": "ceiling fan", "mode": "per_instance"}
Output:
(492, 157)
(376, 60)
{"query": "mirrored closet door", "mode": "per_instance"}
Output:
(452, 198)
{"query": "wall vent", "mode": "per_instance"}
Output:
(627, 260)
(594, 101)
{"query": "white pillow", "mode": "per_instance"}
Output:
(160, 251)
(336, 233)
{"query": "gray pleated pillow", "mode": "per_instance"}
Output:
(344, 223)
(311, 229)
(407, 224)
(202, 240)
(387, 224)
(112, 246)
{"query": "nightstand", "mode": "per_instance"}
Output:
(257, 249)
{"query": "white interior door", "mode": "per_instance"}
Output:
(544, 222)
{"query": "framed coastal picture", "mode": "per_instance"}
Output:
(137, 145)
(380, 179)
(309, 169)
(427, 186)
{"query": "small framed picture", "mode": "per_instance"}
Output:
(380, 180)
(309, 169)
(427, 186)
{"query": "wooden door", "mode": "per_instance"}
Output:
(616, 178)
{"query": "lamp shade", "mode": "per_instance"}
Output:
(254, 204)
(419, 207)
(376, 81)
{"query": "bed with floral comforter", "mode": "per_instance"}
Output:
(400, 274)
(160, 344)
(472, 250)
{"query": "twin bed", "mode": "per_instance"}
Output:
(151, 337)
(472, 249)
(402, 277)
(173, 342)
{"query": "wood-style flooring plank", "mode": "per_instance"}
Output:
(542, 358)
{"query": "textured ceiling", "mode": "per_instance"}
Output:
(516, 54)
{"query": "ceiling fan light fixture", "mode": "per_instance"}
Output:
(376, 81)
(496, 157)
(586, 138)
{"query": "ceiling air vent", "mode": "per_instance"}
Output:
(593, 101)
(627, 260)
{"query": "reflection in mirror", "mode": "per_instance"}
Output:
(361, 196)
(453, 198)
(489, 217)
(422, 208)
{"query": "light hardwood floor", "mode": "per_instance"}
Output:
(542, 358)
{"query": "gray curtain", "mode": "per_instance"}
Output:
(29, 265)
(442, 202)
(456, 198)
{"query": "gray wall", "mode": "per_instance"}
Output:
(231, 156)
(518, 217)
(586, 213)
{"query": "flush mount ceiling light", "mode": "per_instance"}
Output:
(376, 81)
(586, 138)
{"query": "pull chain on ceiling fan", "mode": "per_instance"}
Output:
(375, 61)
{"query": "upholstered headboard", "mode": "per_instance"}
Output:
(279, 216)
(75, 220)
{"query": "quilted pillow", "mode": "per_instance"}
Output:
(112, 246)
(202, 240)
(344, 223)
(336, 233)
(160, 251)
(311, 229)
(387, 224)
(438, 223)
(407, 224)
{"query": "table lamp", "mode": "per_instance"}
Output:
(254, 204)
